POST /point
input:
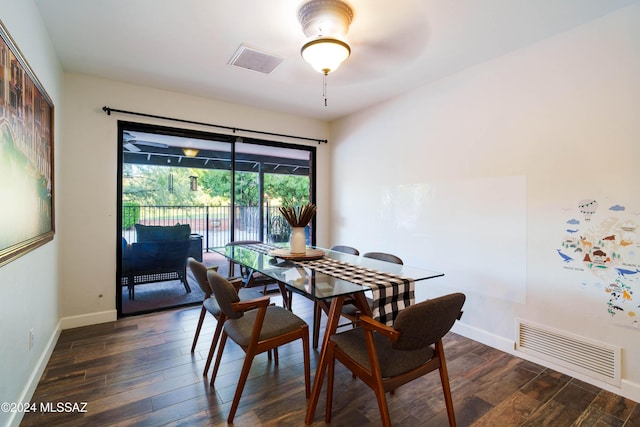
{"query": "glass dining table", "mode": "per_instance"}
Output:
(304, 278)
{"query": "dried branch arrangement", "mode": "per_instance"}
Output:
(298, 216)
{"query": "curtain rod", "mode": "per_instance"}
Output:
(109, 110)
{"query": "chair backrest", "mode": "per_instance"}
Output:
(199, 271)
(225, 294)
(382, 256)
(423, 324)
(345, 249)
(243, 242)
(161, 254)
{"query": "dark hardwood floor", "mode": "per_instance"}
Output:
(139, 371)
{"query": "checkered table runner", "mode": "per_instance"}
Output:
(263, 248)
(391, 293)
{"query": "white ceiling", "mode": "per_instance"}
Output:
(185, 45)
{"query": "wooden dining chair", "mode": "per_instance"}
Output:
(256, 327)
(384, 256)
(209, 304)
(387, 357)
(199, 271)
(345, 249)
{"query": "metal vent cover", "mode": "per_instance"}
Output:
(253, 59)
(595, 359)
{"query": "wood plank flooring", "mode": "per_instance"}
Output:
(139, 371)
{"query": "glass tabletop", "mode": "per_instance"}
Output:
(302, 279)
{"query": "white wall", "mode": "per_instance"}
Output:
(29, 285)
(89, 177)
(533, 133)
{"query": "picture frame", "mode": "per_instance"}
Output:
(27, 217)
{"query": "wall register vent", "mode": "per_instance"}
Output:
(595, 359)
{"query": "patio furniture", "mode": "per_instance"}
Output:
(159, 254)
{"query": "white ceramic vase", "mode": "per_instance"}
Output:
(298, 241)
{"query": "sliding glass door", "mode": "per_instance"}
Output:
(267, 177)
(206, 188)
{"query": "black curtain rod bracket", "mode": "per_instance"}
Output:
(108, 110)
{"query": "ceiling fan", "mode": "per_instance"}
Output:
(131, 143)
(372, 37)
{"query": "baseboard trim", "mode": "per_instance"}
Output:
(36, 374)
(628, 389)
(88, 319)
(482, 336)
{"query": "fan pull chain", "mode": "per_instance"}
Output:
(324, 88)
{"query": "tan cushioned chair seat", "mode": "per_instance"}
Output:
(277, 322)
(392, 361)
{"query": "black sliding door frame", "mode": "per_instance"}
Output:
(236, 162)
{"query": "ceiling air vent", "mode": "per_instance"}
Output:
(252, 59)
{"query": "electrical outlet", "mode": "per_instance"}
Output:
(31, 337)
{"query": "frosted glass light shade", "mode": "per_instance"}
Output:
(325, 54)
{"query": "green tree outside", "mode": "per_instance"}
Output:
(170, 186)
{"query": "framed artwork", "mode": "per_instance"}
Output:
(27, 218)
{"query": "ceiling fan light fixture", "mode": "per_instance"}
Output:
(325, 54)
(190, 152)
(325, 22)
(325, 18)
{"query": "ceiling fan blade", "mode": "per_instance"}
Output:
(149, 143)
(130, 147)
(126, 137)
(387, 37)
(129, 138)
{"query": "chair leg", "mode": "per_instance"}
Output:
(330, 376)
(216, 365)
(446, 388)
(286, 294)
(246, 366)
(203, 312)
(183, 279)
(212, 349)
(375, 381)
(382, 404)
(131, 284)
(307, 361)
